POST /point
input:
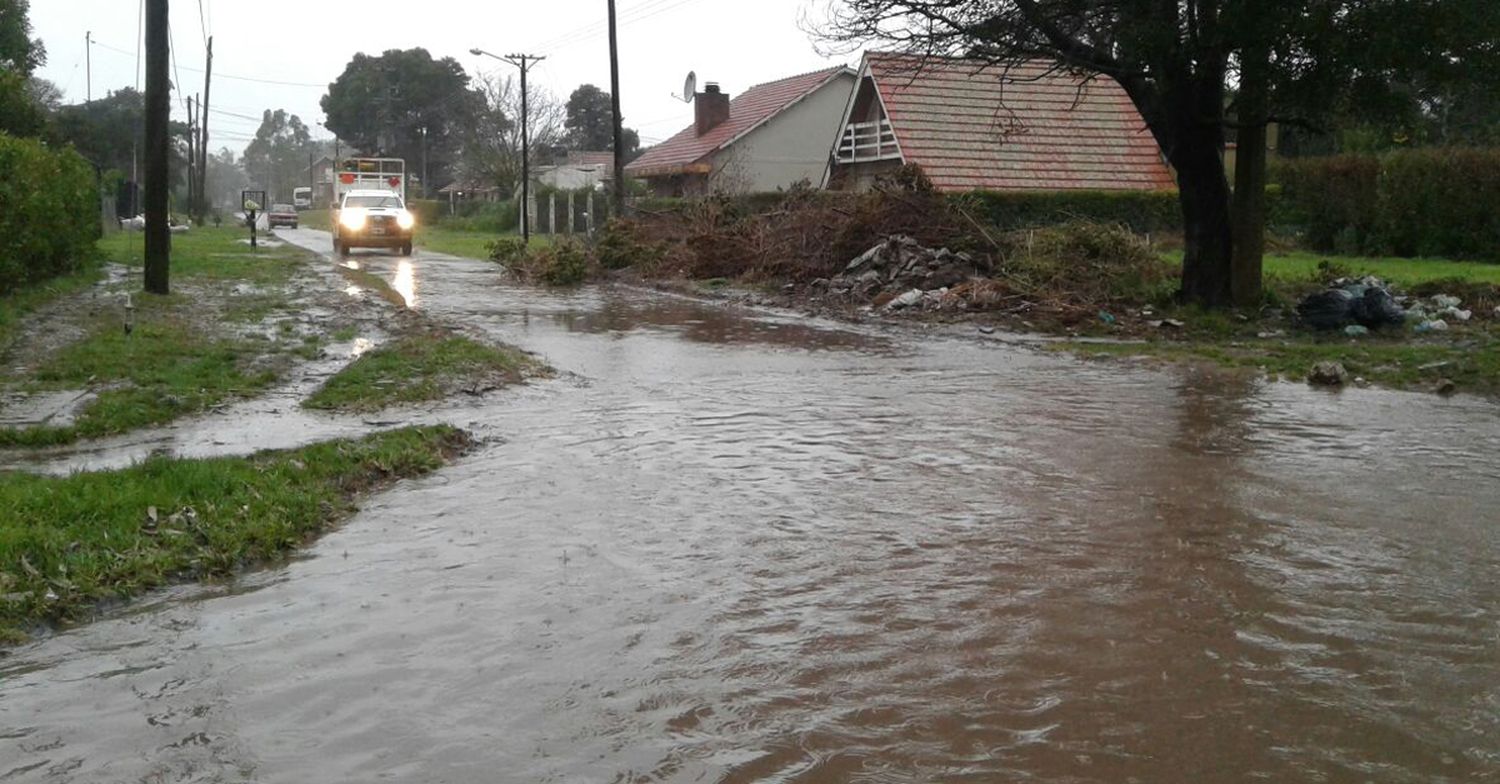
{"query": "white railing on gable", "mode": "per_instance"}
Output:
(868, 141)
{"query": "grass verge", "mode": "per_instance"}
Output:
(212, 254)
(469, 244)
(420, 367)
(1304, 265)
(68, 543)
(1473, 366)
(180, 354)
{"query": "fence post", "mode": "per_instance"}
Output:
(552, 214)
(588, 217)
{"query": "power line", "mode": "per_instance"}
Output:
(218, 75)
(202, 24)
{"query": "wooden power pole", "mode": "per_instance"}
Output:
(614, 99)
(208, 75)
(158, 115)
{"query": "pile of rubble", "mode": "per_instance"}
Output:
(909, 274)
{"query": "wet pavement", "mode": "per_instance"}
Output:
(736, 547)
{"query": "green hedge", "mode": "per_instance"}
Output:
(1430, 202)
(1141, 211)
(49, 212)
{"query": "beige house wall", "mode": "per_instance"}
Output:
(792, 146)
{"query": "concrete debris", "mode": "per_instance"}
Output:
(1434, 325)
(901, 264)
(1356, 330)
(1328, 374)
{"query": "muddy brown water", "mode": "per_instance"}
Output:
(740, 548)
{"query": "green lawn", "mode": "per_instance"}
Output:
(1294, 265)
(67, 543)
(469, 244)
(417, 368)
(210, 254)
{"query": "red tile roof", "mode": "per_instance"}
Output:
(590, 158)
(971, 125)
(746, 111)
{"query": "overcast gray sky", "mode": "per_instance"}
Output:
(306, 45)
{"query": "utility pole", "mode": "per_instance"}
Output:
(614, 100)
(88, 58)
(208, 75)
(158, 116)
(192, 157)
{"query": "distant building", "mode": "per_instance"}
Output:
(773, 136)
(578, 170)
(972, 125)
(320, 177)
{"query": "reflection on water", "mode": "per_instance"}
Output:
(353, 291)
(405, 282)
(725, 553)
(624, 311)
(350, 264)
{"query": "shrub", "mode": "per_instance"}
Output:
(622, 245)
(506, 250)
(564, 263)
(49, 212)
(1085, 263)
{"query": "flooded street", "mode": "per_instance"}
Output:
(731, 547)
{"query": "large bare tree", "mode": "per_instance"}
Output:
(491, 152)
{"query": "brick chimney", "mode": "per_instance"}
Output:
(710, 108)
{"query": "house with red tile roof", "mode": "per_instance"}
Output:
(772, 136)
(973, 125)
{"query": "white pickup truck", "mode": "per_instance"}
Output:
(370, 206)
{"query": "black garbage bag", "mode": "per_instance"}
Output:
(1377, 308)
(1327, 309)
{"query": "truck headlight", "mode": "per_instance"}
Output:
(406, 220)
(353, 219)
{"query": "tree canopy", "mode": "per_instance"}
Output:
(404, 104)
(19, 52)
(1289, 61)
(590, 122)
(277, 159)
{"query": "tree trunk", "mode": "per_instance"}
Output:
(1203, 191)
(1250, 181)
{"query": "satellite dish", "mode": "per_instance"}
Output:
(689, 87)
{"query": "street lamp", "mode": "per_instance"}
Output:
(523, 62)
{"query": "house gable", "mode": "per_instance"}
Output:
(972, 125)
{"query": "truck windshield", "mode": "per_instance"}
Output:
(374, 202)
